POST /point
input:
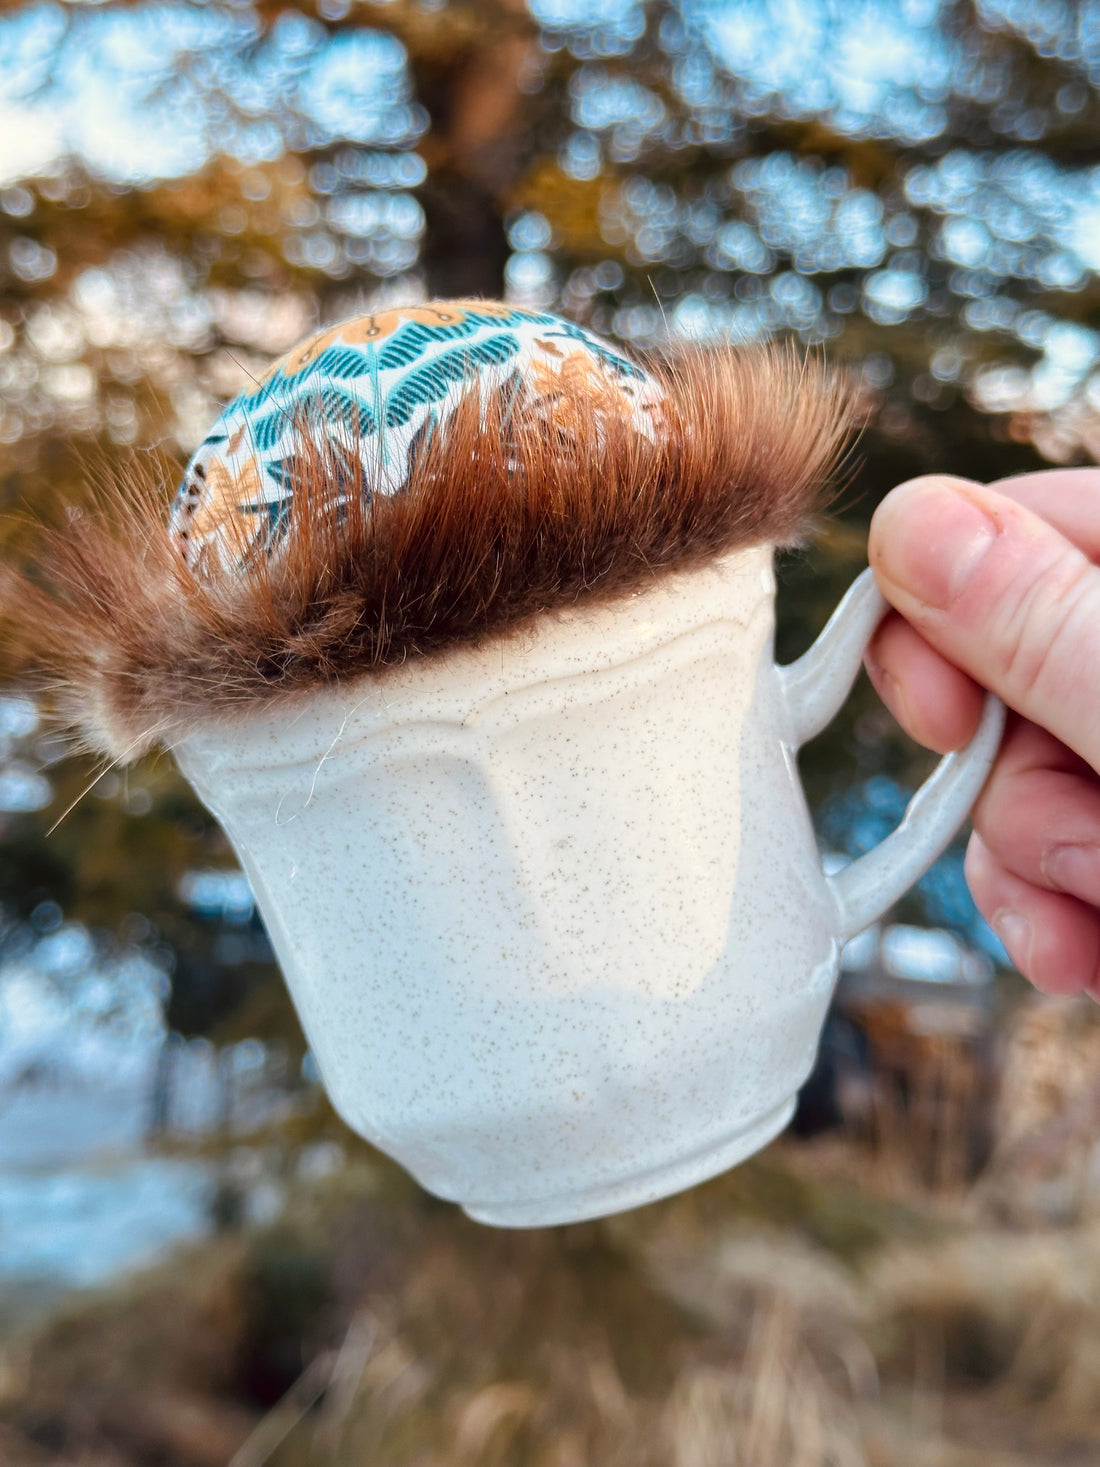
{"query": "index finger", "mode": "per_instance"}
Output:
(1068, 499)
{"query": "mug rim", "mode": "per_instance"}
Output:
(461, 684)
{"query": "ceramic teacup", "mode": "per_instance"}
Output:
(551, 907)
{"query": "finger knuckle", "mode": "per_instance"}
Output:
(1051, 624)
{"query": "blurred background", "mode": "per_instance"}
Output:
(198, 1264)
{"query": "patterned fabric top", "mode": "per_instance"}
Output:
(383, 383)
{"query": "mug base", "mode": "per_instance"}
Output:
(639, 1189)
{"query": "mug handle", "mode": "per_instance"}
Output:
(814, 688)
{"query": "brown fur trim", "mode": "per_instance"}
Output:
(493, 528)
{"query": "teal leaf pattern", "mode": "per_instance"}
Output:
(379, 388)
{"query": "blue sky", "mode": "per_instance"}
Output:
(111, 91)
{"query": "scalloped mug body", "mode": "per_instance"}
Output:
(551, 908)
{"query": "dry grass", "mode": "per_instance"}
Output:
(802, 1311)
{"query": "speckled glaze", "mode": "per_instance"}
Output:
(551, 909)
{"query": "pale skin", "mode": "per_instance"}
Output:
(999, 586)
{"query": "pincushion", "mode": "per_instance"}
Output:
(379, 386)
(409, 481)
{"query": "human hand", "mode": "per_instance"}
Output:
(998, 585)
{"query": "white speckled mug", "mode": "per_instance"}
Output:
(551, 909)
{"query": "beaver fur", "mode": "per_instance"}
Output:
(498, 523)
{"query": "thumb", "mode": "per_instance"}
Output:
(1001, 594)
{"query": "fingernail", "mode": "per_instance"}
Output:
(1074, 869)
(1016, 935)
(930, 540)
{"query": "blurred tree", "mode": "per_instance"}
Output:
(187, 188)
(922, 195)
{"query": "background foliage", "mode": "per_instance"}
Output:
(186, 189)
(911, 187)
